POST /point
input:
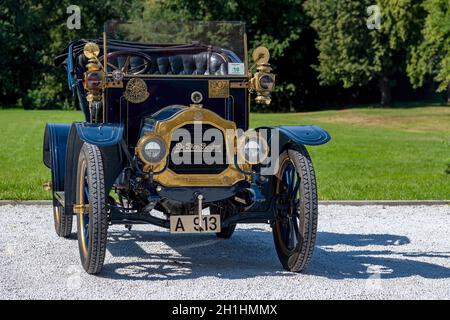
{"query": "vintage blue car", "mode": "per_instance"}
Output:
(166, 137)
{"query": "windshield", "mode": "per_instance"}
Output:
(182, 37)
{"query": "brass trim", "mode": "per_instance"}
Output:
(239, 85)
(136, 91)
(105, 54)
(81, 209)
(228, 177)
(190, 115)
(261, 58)
(47, 186)
(194, 77)
(218, 88)
(105, 70)
(91, 50)
(261, 55)
(246, 52)
(142, 142)
(113, 84)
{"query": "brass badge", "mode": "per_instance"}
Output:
(136, 91)
(218, 88)
(198, 116)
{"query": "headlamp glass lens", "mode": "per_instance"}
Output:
(153, 150)
(266, 82)
(255, 150)
(252, 150)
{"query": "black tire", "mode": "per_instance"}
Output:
(298, 215)
(92, 226)
(63, 223)
(224, 212)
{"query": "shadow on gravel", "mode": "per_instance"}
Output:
(390, 262)
(250, 253)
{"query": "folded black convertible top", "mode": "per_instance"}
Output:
(118, 45)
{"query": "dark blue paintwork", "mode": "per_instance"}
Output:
(167, 112)
(161, 115)
(70, 71)
(306, 135)
(82, 100)
(55, 143)
(102, 135)
(303, 135)
(109, 145)
(176, 92)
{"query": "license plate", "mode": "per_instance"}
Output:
(191, 224)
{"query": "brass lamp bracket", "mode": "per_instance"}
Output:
(94, 79)
(47, 186)
(81, 209)
(110, 83)
(239, 85)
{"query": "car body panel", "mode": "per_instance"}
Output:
(308, 135)
(54, 152)
(100, 134)
(172, 90)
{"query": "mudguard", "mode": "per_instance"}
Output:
(107, 137)
(299, 135)
(54, 152)
(102, 135)
(290, 137)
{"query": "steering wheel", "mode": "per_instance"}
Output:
(129, 62)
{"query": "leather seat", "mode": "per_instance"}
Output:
(191, 64)
(181, 64)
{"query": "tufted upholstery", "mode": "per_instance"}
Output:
(182, 64)
(186, 64)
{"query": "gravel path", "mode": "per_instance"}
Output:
(362, 253)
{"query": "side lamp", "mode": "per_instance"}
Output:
(263, 81)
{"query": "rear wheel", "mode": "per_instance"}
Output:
(62, 222)
(92, 218)
(295, 228)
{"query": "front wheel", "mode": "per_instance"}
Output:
(225, 211)
(90, 207)
(295, 228)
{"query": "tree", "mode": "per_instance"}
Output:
(431, 57)
(32, 33)
(280, 25)
(353, 54)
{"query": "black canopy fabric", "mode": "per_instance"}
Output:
(117, 45)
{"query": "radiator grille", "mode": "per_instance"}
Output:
(197, 150)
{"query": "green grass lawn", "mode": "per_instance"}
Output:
(374, 153)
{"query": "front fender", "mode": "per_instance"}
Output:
(107, 137)
(289, 137)
(298, 135)
(102, 135)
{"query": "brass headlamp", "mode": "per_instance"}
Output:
(263, 82)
